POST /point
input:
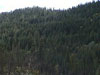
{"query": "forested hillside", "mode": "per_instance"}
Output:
(40, 41)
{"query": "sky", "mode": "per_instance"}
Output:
(10, 5)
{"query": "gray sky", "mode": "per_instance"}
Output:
(8, 5)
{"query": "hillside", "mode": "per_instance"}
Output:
(40, 41)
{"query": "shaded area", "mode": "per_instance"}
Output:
(37, 41)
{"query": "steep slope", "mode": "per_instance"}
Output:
(42, 41)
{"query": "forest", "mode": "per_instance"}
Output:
(41, 41)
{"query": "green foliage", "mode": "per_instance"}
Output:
(40, 41)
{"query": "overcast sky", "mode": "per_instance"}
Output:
(8, 5)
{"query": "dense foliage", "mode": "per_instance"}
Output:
(40, 41)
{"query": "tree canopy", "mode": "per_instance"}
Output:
(40, 41)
